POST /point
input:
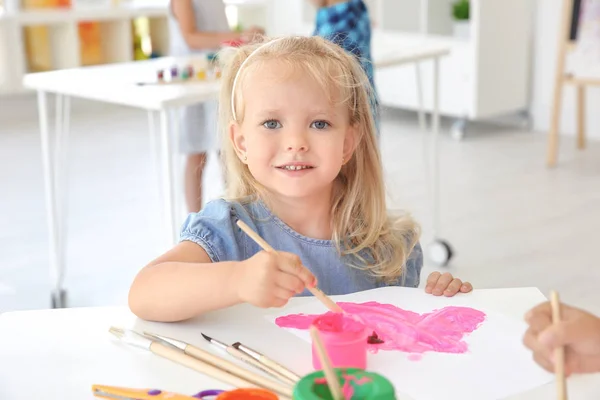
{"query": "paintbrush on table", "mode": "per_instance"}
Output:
(330, 304)
(255, 359)
(228, 366)
(218, 370)
(559, 355)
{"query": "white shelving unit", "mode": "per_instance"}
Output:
(486, 74)
(115, 29)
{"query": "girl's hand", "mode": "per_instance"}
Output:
(445, 284)
(271, 279)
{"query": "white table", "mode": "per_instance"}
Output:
(116, 84)
(59, 354)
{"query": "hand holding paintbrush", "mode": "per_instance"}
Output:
(330, 304)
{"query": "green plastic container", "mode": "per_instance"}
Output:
(374, 387)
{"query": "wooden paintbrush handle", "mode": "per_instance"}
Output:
(330, 304)
(214, 371)
(281, 369)
(254, 236)
(236, 369)
(330, 375)
(262, 366)
(559, 362)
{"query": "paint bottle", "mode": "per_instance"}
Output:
(247, 394)
(201, 74)
(344, 337)
(174, 72)
(356, 384)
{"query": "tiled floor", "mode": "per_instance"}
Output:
(511, 221)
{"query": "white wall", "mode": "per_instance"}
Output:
(544, 66)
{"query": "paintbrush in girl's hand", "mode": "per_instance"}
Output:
(330, 304)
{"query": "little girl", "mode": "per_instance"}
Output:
(304, 172)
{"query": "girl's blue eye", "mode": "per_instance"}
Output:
(320, 124)
(272, 124)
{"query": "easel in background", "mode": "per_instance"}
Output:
(566, 42)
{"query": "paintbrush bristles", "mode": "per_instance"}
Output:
(559, 355)
(118, 332)
(130, 337)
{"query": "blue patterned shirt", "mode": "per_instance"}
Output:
(348, 25)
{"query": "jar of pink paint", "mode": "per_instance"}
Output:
(344, 337)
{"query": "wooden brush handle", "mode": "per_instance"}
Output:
(215, 371)
(330, 375)
(559, 362)
(254, 236)
(330, 304)
(281, 369)
(262, 366)
(236, 369)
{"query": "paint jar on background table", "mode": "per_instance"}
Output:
(356, 384)
(247, 394)
(344, 338)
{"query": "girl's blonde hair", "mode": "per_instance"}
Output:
(362, 228)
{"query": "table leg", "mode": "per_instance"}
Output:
(435, 127)
(62, 192)
(423, 128)
(53, 217)
(439, 251)
(155, 151)
(168, 187)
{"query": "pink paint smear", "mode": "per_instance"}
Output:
(347, 388)
(438, 331)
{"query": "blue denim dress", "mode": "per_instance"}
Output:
(214, 229)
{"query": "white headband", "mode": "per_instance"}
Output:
(242, 66)
(238, 73)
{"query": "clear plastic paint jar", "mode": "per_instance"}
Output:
(344, 337)
(355, 383)
(248, 394)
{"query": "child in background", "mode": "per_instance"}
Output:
(304, 172)
(348, 24)
(197, 26)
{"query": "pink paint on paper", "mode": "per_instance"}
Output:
(438, 331)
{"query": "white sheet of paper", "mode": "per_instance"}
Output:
(496, 366)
